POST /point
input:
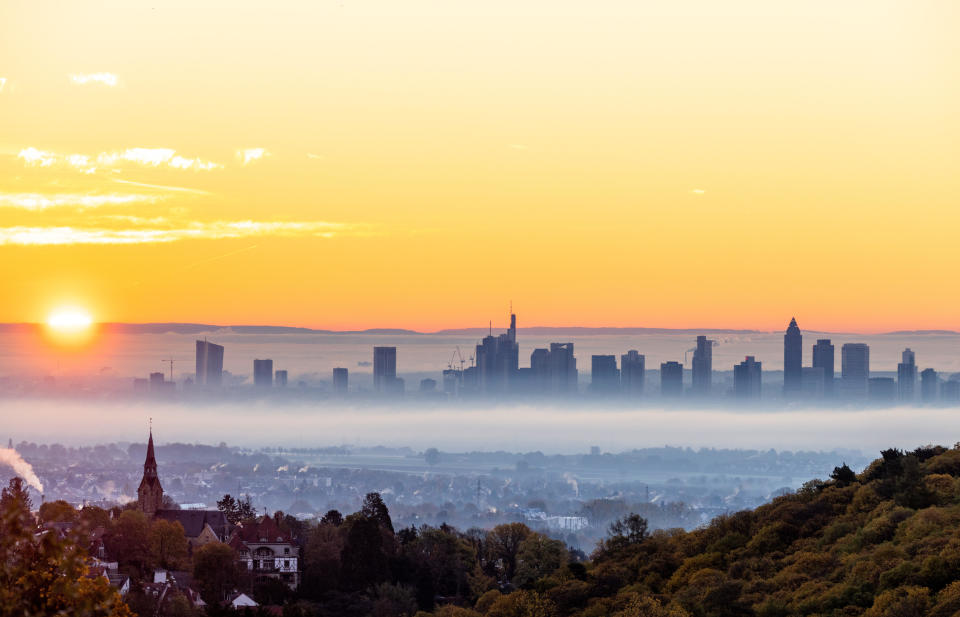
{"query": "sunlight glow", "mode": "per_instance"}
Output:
(69, 319)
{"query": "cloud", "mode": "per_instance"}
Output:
(162, 187)
(697, 191)
(249, 155)
(38, 201)
(144, 157)
(3, 82)
(217, 230)
(82, 79)
(311, 155)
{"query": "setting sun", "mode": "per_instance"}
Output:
(70, 325)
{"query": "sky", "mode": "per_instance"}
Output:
(421, 164)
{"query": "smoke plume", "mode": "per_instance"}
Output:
(20, 467)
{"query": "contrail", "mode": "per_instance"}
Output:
(162, 187)
(20, 467)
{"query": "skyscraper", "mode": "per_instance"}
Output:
(563, 368)
(823, 358)
(384, 368)
(703, 366)
(671, 379)
(498, 359)
(263, 373)
(907, 375)
(209, 364)
(341, 377)
(746, 378)
(854, 369)
(280, 378)
(632, 372)
(792, 360)
(929, 385)
(604, 376)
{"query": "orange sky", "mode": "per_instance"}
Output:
(350, 164)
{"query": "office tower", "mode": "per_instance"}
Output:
(540, 370)
(703, 366)
(812, 382)
(929, 383)
(209, 364)
(792, 360)
(671, 379)
(604, 376)
(428, 385)
(156, 382)
(632, 372)
(341, 380)
(823, 356)
(384, 368)
(563, 368)
(498, 359)
(746, 378)
(950, 391)
(907, 375)
(280, 378)
(452, 381)
(263, 373)
(854, 369)
(882, 389)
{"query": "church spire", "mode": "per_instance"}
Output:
(150, 464)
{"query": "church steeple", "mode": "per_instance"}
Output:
(150, 492)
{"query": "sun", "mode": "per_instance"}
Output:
(70, 325)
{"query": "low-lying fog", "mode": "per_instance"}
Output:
(550, 429)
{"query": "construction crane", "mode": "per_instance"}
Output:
(170, 361)
(456, 354)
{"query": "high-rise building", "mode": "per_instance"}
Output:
(553, 370)
(384, 368)
(854, 369)
(882, 389)
(209, 364)
(950, 391)
(792, 360)
(632, 372)
(907, 375)
(498, 360)
(812, 382)
(280, 378)
(823, 358)
(671, 379)
(746, 378)
(157, 382)
(604, 376)
(341, 380)
(703, 366)
(929, 385)
(263, 373)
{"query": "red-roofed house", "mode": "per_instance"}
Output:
(267, 551)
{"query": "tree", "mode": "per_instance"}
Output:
(431, 456)
(129, 542)
(15, 495)
(46, 575)
(332, 517)
(363, 562)
(538, 557)
(237, 510)
(57, 511)
(168, 544)
(843, 476)
(502, 545)
(626, 531)
(374, 508)
(215, 571)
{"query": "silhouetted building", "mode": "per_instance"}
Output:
(150, 492)
(929, 385)
(209, 364)
(384, 369)
(452, 381)
(428, 385)
(907, 375)
(792, 360)
(950, 391)
(141, 385)
(554, 370)
(854, 369)
(746, 378)
(498, 360)
(703, 366)
(632, 372)
(280, 378)
(823, 358)
(157, 382)
(671, 379)
(812, 382)
(341, 380)
(882, 389)
(263, 373)
(604, 376)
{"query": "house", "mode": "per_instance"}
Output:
(267, 551)
(239, 600)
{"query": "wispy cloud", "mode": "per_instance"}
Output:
(249, 155)
(82, 79)
(144, 157)
(161, 187)
(38, 201)
(217, 230)
(3, 82)
(697, 191)
(311, 155)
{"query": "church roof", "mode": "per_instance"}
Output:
(193, 521)
(151, 459)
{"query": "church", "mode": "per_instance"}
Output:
(200, 526)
